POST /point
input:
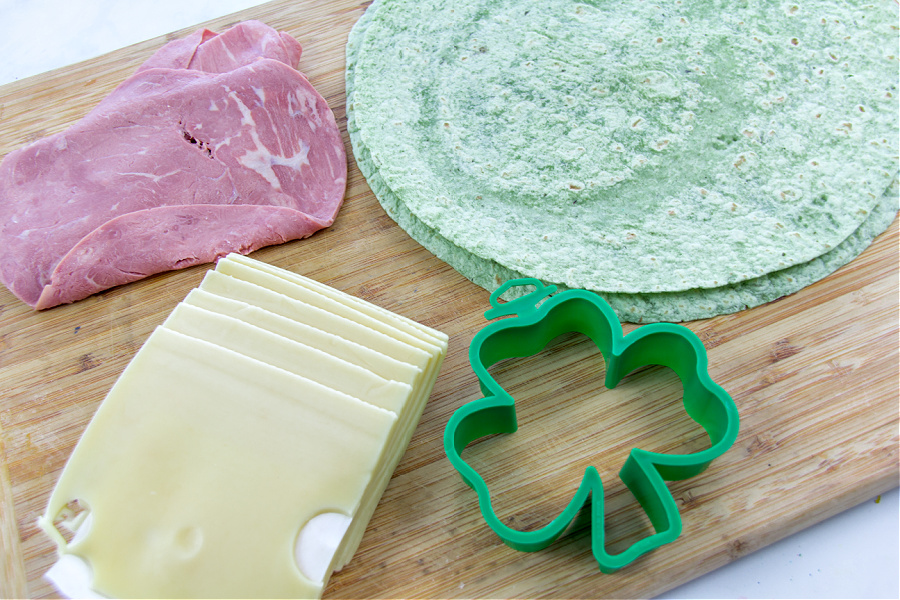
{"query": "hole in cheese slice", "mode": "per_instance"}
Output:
(317, 543)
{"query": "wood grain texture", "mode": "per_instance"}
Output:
(814, 376)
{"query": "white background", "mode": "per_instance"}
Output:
(852, 555)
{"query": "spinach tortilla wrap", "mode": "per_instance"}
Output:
(682, 162)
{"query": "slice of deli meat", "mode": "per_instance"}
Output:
(174, 168)
(97, 261)
(206, 50)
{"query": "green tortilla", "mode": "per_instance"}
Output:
(750, 198)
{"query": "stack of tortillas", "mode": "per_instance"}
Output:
(682, 160)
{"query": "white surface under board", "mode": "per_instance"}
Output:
(852, 555)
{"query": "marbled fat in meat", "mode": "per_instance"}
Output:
(177, 166)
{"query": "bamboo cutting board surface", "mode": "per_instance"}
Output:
(814, 376)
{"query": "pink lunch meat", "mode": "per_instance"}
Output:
(205, 50)
(217, 144)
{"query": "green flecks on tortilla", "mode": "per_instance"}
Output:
(628, 148)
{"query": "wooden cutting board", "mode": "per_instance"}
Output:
(814, 377)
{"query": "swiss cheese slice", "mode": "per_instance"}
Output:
(353, 352)
(236, 265)
(310, 293)
(202, 465)
(302, 312)
(251, 338)
(306, 305)
(285, 295)
(290, 355)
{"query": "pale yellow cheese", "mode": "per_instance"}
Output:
(399, 321)
(201, 467)
(289, 355)
(252, 338)
(345, 322)
(321, 311)
(321, 296)
(313, 292)
(302, 312)
(348, 350)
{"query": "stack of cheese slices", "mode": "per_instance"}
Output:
(243, 450)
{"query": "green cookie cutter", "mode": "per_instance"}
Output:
(539, 318)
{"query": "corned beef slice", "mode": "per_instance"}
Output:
(225, 227)
(175, 167)
(205, 50)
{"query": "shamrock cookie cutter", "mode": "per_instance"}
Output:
(536, 319)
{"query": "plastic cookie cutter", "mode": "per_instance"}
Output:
(539, 318)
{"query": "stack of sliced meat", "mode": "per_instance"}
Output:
(216, 144)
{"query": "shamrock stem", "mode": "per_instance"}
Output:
(522, 305)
